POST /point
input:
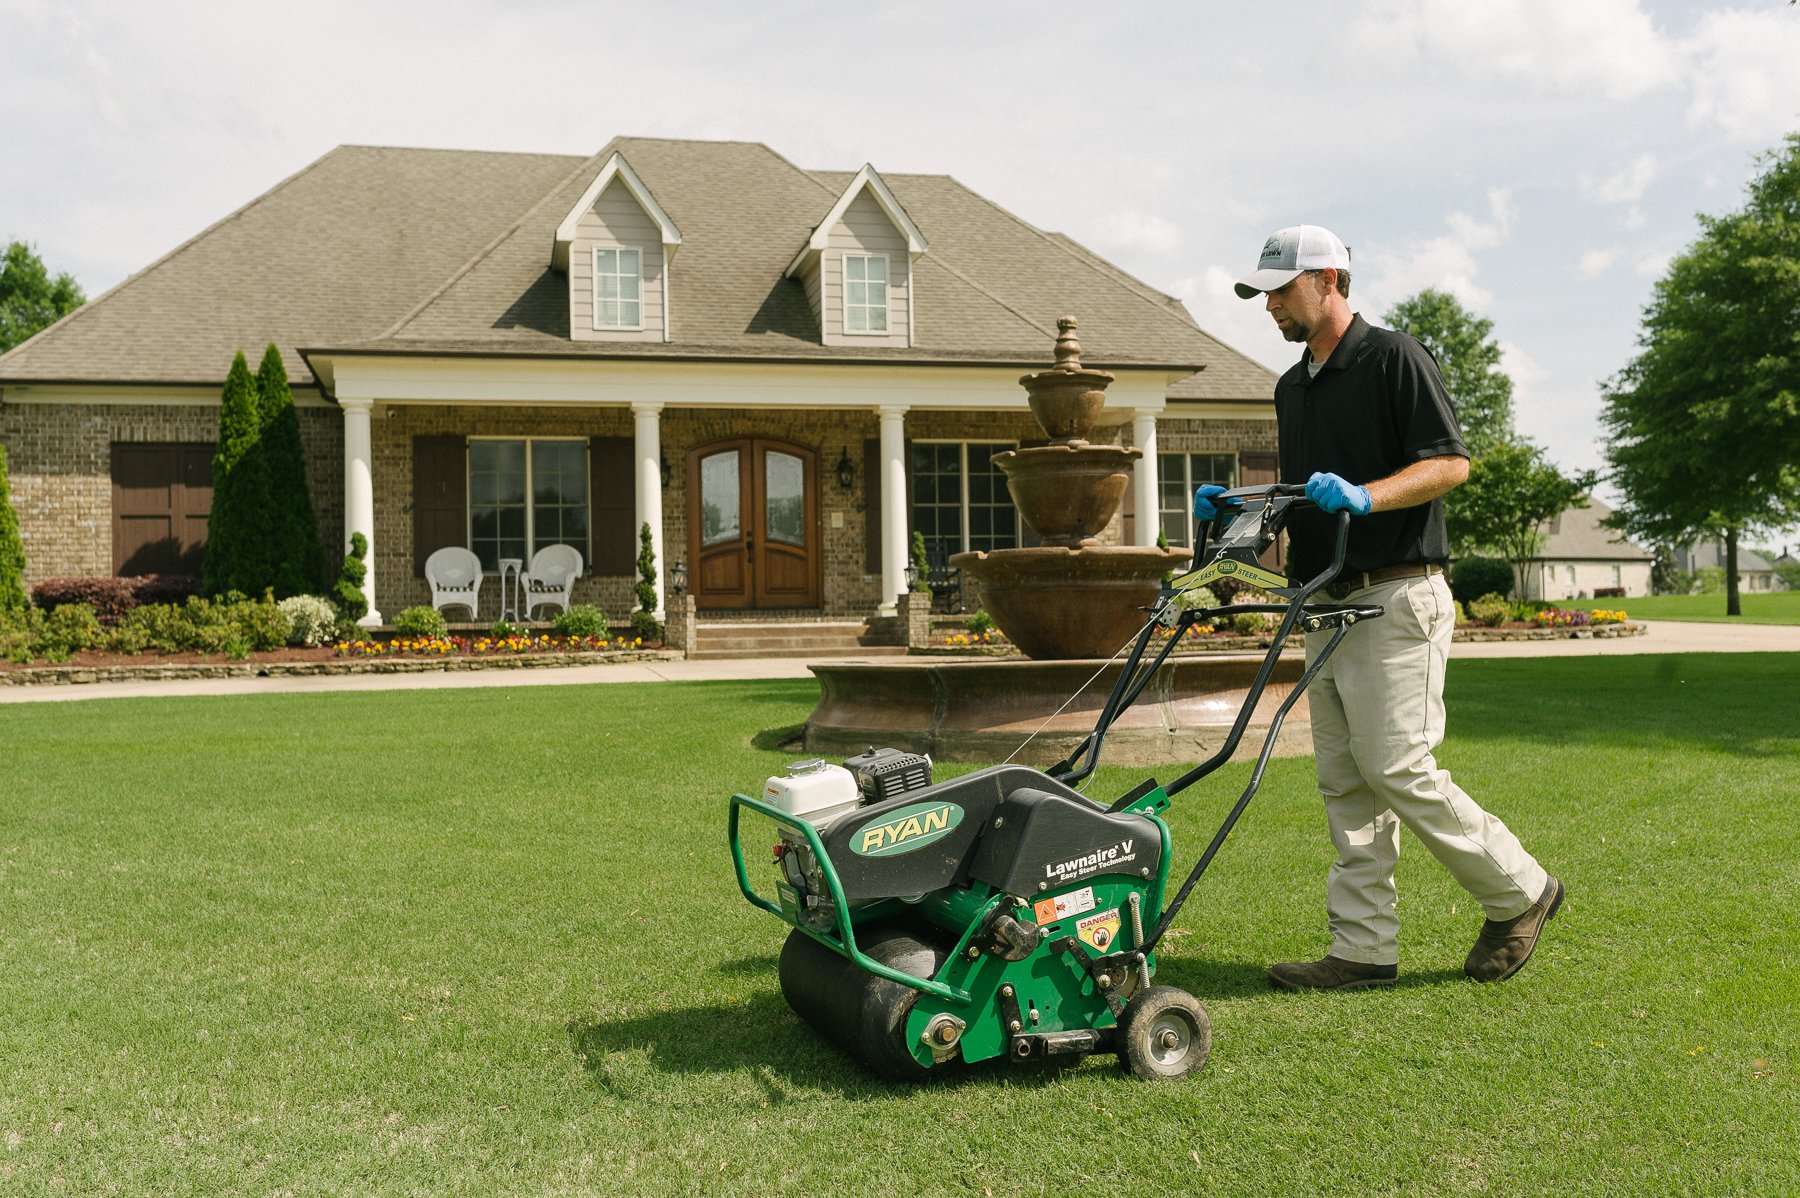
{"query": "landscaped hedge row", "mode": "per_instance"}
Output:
(232, 625)
(111, 598)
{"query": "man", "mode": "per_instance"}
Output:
(1364, 418)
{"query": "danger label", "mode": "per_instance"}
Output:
(1048, 911)
(1099, 931)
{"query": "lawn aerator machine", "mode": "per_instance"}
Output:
(1004, 913)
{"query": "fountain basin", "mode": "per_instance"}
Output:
(1066, 400)
(981, 711)
(1054, 602)
(1068, 491)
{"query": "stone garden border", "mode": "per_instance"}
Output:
(1253, 644)
(76, 675)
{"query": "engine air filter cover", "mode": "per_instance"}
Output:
(883, 773)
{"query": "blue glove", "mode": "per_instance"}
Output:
(1334, 494)
(1204, 507)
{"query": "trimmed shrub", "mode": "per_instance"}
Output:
(1196, 599)
(311, 620)
(65, 631)
(583, 620)
(921, 563)
(348, 593)
(1473, 577)
(979, 623)
(1609, 592)
(296, 556)
(422, 621)
(240, 530)
(111, 598)
(230, 624)
(501, 630)
(1491, 610)
(644, 626)
(1253, 623)
(645, 589)
(12, 548)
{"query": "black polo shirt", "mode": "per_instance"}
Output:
(1378, 405)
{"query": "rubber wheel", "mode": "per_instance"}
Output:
(1164, 1034)
(861, 1013)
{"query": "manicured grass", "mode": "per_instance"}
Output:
(488, 942)
(1772, 607)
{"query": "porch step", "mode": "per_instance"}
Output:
(721, 640)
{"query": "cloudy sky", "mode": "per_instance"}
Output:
(1541, 159)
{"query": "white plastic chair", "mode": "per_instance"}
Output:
(455, 577)
(551, 578)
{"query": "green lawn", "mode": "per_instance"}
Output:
(488, 942)
(1774, 607)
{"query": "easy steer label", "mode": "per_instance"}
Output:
(1048, 911)
(1099, 931)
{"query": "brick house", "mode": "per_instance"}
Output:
(782, 371)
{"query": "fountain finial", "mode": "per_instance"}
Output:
(1068, 349)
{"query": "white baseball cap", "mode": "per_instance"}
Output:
(1290, 252)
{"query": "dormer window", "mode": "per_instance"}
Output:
(865, 293)
(618, 296)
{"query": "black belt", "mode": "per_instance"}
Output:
(1348, 582)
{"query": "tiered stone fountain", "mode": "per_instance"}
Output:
(1069, 605)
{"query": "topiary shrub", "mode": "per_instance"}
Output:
(422, 621)
(646, 568)
(311, 620)
(583, 620)
(348, 593)
(1491, 610)
(644, 626)
(921, 563)
(12, 548)
(1473, 577)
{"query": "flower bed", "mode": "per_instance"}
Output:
(484, 646)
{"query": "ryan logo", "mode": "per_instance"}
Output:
(908, 829)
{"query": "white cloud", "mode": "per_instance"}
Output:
(1609, 47)
(1596, 262)
(1746, 72)
(1447, 261)
(1654, 266)
(1624, 186)
(1140, 233)
(1244, 325)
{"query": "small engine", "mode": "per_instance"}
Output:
(883, 773)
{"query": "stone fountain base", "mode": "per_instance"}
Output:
(980, 711)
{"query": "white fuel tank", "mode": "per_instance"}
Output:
(812, 790)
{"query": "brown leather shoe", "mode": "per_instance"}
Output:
(1505, 944)
(1331, 973)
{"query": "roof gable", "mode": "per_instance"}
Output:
(870, 180)
(616, 168)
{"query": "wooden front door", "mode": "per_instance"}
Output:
(753, 524)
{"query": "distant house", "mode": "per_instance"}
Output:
(1785, 560)
(784, 372)
(1756, 573)
(1579, 558)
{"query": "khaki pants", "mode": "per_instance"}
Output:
(1377, 713)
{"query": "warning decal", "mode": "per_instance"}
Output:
(1048, 911)
(1099, 931)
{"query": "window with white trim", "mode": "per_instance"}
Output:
(865, 293)
(960, 500)
(618, 288)
(526, 494)
(1178, 475)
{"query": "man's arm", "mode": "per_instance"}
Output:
(1421, 482)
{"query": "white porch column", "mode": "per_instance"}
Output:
(649, 490)
(1144, 483)
(894, 540)
(359, 492)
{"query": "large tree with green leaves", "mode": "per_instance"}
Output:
(1704, 424)
(1512, 491)
(240, 528)
(30, 298)
(296, 557)
(1469, 359)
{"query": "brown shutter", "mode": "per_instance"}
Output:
(161, 499)
(440, 496)
(613, 499)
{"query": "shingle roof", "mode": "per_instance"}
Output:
(336, 252)
(425, 251)
(1577, 534)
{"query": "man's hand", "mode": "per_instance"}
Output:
(1204, 507)
(1334, 494)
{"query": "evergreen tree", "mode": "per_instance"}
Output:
(297, 557)
(239, 531)
(12, 549)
